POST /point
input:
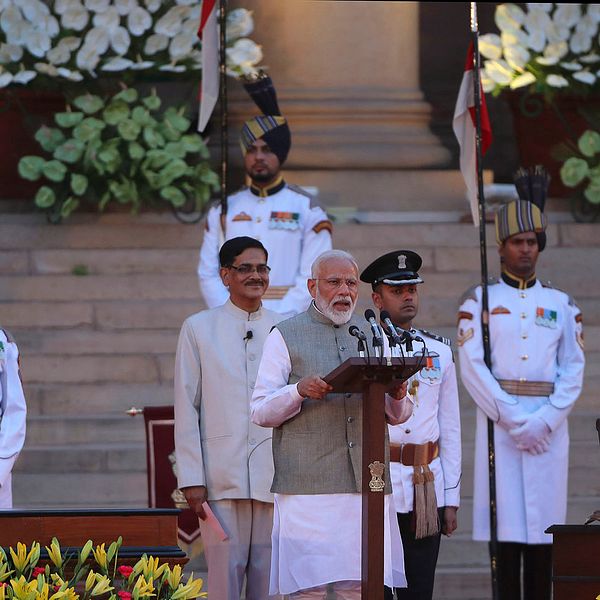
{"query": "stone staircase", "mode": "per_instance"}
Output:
(96, 305)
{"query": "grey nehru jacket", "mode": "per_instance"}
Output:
(319, 451)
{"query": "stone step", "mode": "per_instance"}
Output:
(74, 490)
(468, 583)
(90, 399)
(66, 430)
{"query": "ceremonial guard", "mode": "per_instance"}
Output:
(284, 217)
(425, 451)
(536, 375)
(13, 414)
(221, 456)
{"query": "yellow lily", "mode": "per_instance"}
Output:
(67, 594)
(23, 590)
(85, 551)
(143, 588)
(54, 553)
(192, 589)
(90, 581)
(58, 580)
(100, 557)
(2, 592)
(21, 558)
(102, 585)
(174, 577)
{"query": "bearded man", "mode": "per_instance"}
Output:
(317, 443)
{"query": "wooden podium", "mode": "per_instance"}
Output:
(575, 561)
(373, 377)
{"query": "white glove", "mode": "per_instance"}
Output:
(539, 448)
(531, 431)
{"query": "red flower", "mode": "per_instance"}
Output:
(2, 583)
(56, 588)
(124, 595)
(38, 571)
(125, 570)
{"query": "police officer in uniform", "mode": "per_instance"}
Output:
(284, 217)
(425, 451)
(536, 375)
(13, 413)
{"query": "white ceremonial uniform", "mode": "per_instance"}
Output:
(535, 336)
(13, 414)
(217, 446)
(293, 231)
(310, 548)
(435, 417)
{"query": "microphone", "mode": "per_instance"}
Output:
(377, 337)
(385, 317)
(249, 335)
(362, 338)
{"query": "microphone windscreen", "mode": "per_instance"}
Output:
(369, 314)
(385, 315)
(353, 329)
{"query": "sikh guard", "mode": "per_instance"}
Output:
(284, 217)
(535, 378)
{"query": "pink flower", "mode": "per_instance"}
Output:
(125, 570)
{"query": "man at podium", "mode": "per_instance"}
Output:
(317, 443)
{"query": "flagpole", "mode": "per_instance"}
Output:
(223, 107)
(485, 329)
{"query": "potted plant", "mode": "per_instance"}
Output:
(546, 60)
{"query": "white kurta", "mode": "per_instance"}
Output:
(285, 223)
(435, 416)
(535, 335)
(13, 414)
(312, 546)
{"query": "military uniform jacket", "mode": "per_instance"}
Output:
(13, 413)
(216, 445)
(435, 416)
(535, 336)
(291, 228)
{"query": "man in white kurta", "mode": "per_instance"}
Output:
(284, 217)
(536, 375)
(317, 444)
(13, 414)
(427, 446)
(221, 456)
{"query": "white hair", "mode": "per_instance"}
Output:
(330, 255)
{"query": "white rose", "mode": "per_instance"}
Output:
(16, 34)
(46, 69)
(10, 53)
(585, 77)
(516, 57)
(87, 58)
(239, 23)
(522, 80)
(490, 46)
(567, 15)
(499, 71)
(75, 18)
(109, 19)
(37, 42)
(125, 6)
(557, 50)
(536, 19)
(152, 5)
(70, 42)
(557, 81)
(71, 75)
(97, 6)
(509, 17)
(10, 18)
(514, 38)
(59, 55)
(33, 10)
(138, 21)
(24, 76)
(5, 79)
(169, 24)
(62, 6)
(97, 38)
(580, 43)
(120, 40)
(557, 33)
(156, 43)
(117, 64)
(50, 25)
(587, 26)
(571, 66)
(537, 40)
(181, 45)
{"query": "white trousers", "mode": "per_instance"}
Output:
(246, 554)
(344, 590)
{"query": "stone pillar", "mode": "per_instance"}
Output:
(347, 78)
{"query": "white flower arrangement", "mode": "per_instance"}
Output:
(72, 40)
(548, 48)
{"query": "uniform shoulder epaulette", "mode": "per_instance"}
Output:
(548, 285)
(470, 293)
(435, 336)
(314, 203)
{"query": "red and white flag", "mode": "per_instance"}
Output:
(463, 125)
(209, 34)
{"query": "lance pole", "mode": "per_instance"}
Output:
(223, 107)
(485, 328)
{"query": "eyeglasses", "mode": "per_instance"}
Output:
(334, 282)
(247, 268)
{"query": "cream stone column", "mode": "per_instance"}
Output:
(347, 78)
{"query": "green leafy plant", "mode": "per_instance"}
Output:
(123, 150)
(582, 168)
